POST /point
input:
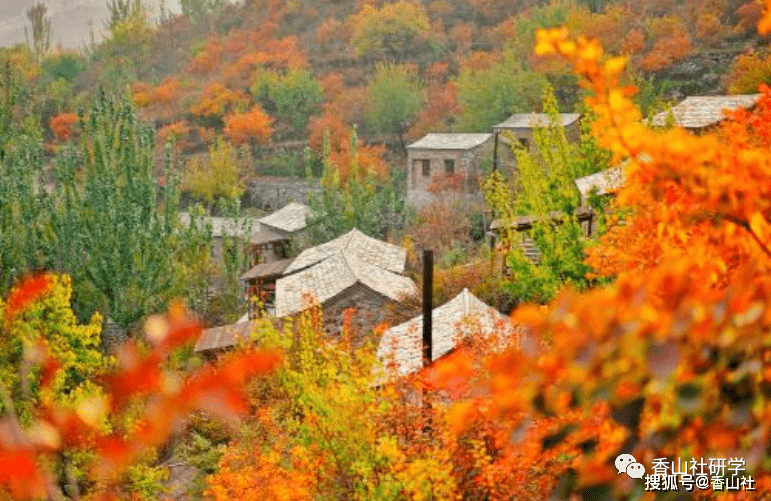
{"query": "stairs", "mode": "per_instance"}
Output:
(530, 250)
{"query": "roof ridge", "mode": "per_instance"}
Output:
(356, 276)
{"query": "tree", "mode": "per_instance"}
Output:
(128, 46)
(253, 124)
(488, 96)
(42, 33)
(665, 349)
(197, 11)
(108, 230)
(544, 185)
(137, 410)
(219, 177)
(324, 431)
(747, 72)
(292, 97)
(50, 323)
(395, 96)
(216, 100)
(62, 125)
(360, 202)
(122, 10)
(394, 32)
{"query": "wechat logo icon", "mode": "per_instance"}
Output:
(626, 463)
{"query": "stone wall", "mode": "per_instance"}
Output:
(276, 193)
(371, 310)
(467, 163)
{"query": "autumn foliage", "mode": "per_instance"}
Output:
(253, 124)
(62, 125)
(139, 378)
(670, 360)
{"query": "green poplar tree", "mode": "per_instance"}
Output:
(377, 209)
(545, 185)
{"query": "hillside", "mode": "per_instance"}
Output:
(273, 76)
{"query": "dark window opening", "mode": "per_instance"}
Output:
(449, 166)
(426, 168)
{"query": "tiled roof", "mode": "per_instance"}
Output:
(323, 272)
(528, 120)
(696, 112)
(224, 225)
(400, 351)
(354, 243)
(450, 141)
(265, 236)
(289, 218)
(273, 269)
(221, 337)
(606, 181)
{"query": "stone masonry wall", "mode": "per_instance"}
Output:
(370, 311)
(276, 193)
(467, 162)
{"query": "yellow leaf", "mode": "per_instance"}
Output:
(615, 65)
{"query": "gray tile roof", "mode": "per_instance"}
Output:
(696, 112)
(275, 268)
(354, 243)
(323, 272)
(224, 225)
(400, 351)
(450, 141)
(265, 236)
(224, 336)
(289, 218)
(606, 181)
(529, 120)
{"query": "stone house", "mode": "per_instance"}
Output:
(701, 113)
(260, 282)
(351, 271)
(271, 239)
(463, 318)
(520, 127)
(442, 161)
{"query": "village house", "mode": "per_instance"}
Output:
(351, 271)
(463, 318)
(701, 113)
(269, 254)
(446, 160)
(271, 240)
(520, 127)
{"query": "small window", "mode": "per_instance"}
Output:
(524, 142)
(449, 166)
(426, 168)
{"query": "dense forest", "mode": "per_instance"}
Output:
(127, 234)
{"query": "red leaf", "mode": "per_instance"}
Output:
(25, 293)
(20, 474)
